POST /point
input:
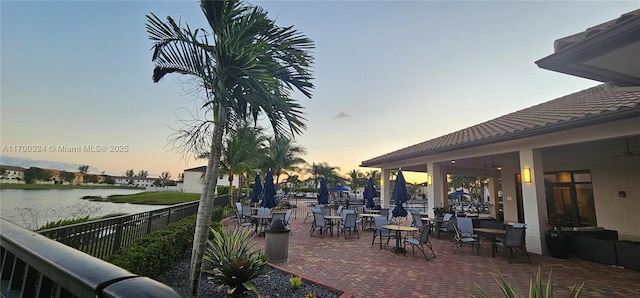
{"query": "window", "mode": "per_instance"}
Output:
(570, 196)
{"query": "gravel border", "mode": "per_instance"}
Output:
(275, 283)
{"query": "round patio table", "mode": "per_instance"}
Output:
(399, 229)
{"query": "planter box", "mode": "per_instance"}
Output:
(558, 244)
(628, 254)
(595, 250)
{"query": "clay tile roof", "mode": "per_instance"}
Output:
(587, 107)
(564, 42)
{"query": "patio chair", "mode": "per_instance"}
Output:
(349, 223)
(242, 223)
(420, 242)
(384, 212)
(514, 239)
(246, 213)
(310, 213)
(326, 210)
(446, 226)
(339, 211)
(287, 216)
(320, 223)
(380, 221)
(417, 221)
(461, 238)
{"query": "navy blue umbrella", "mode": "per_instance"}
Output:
(323, 193)
(369, 193)
(257, 190)
(269, 196)
(400, 195)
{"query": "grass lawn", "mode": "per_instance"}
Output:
(155, 198)
(60, 186)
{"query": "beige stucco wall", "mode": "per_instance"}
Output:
(609, 175)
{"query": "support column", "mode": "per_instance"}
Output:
(493, 195)
(534, 199)
(385, 186)
(435, 189)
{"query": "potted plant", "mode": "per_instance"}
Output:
(558, 242)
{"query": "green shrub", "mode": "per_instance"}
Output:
(535, 288)
(230, 260)
(219, 213)
(155, 254)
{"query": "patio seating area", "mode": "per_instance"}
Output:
(353, 265)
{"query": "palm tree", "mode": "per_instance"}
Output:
(283, 156)
(243, 151)
(375, 174)
(323, 169)
(251, 68)
(357, 180)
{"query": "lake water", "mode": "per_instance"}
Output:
(34, 208)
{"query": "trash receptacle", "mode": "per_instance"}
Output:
(277, 242)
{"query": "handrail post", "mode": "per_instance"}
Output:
(118, 236)
(150, 219)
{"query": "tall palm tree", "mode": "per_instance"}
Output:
(283, 156)
(251, 67)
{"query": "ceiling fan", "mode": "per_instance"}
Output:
(628, 152)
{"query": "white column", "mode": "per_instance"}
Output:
(534, 199)
(435, 189)
(385, 186)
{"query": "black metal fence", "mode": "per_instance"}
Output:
(101, 238)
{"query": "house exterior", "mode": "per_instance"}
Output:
(134, 181)
(192, 180)
(577, 156)
(12, 172)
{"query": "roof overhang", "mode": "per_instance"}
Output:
(607, 52)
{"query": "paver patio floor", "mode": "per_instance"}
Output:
(354, 265)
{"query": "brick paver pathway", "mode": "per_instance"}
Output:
(354, 265)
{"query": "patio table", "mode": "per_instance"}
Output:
(492, 233)
(399, 229)
(258, 219)
(367, 218)
(332, 219)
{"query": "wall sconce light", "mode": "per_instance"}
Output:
(526, 175)
(429, 179)
(453, 161)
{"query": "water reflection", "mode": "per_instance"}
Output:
(34, 208)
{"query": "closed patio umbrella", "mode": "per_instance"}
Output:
(323, 193)
(257, 190)
(400, 195)
(269, 196)
(369, 194)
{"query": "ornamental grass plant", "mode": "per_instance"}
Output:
(536, 288)
(230, 260)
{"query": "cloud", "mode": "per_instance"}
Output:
(342, 115)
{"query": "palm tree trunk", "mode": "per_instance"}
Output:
(205, 209)
(230, 189)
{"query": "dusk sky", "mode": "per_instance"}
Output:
(388, 74)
